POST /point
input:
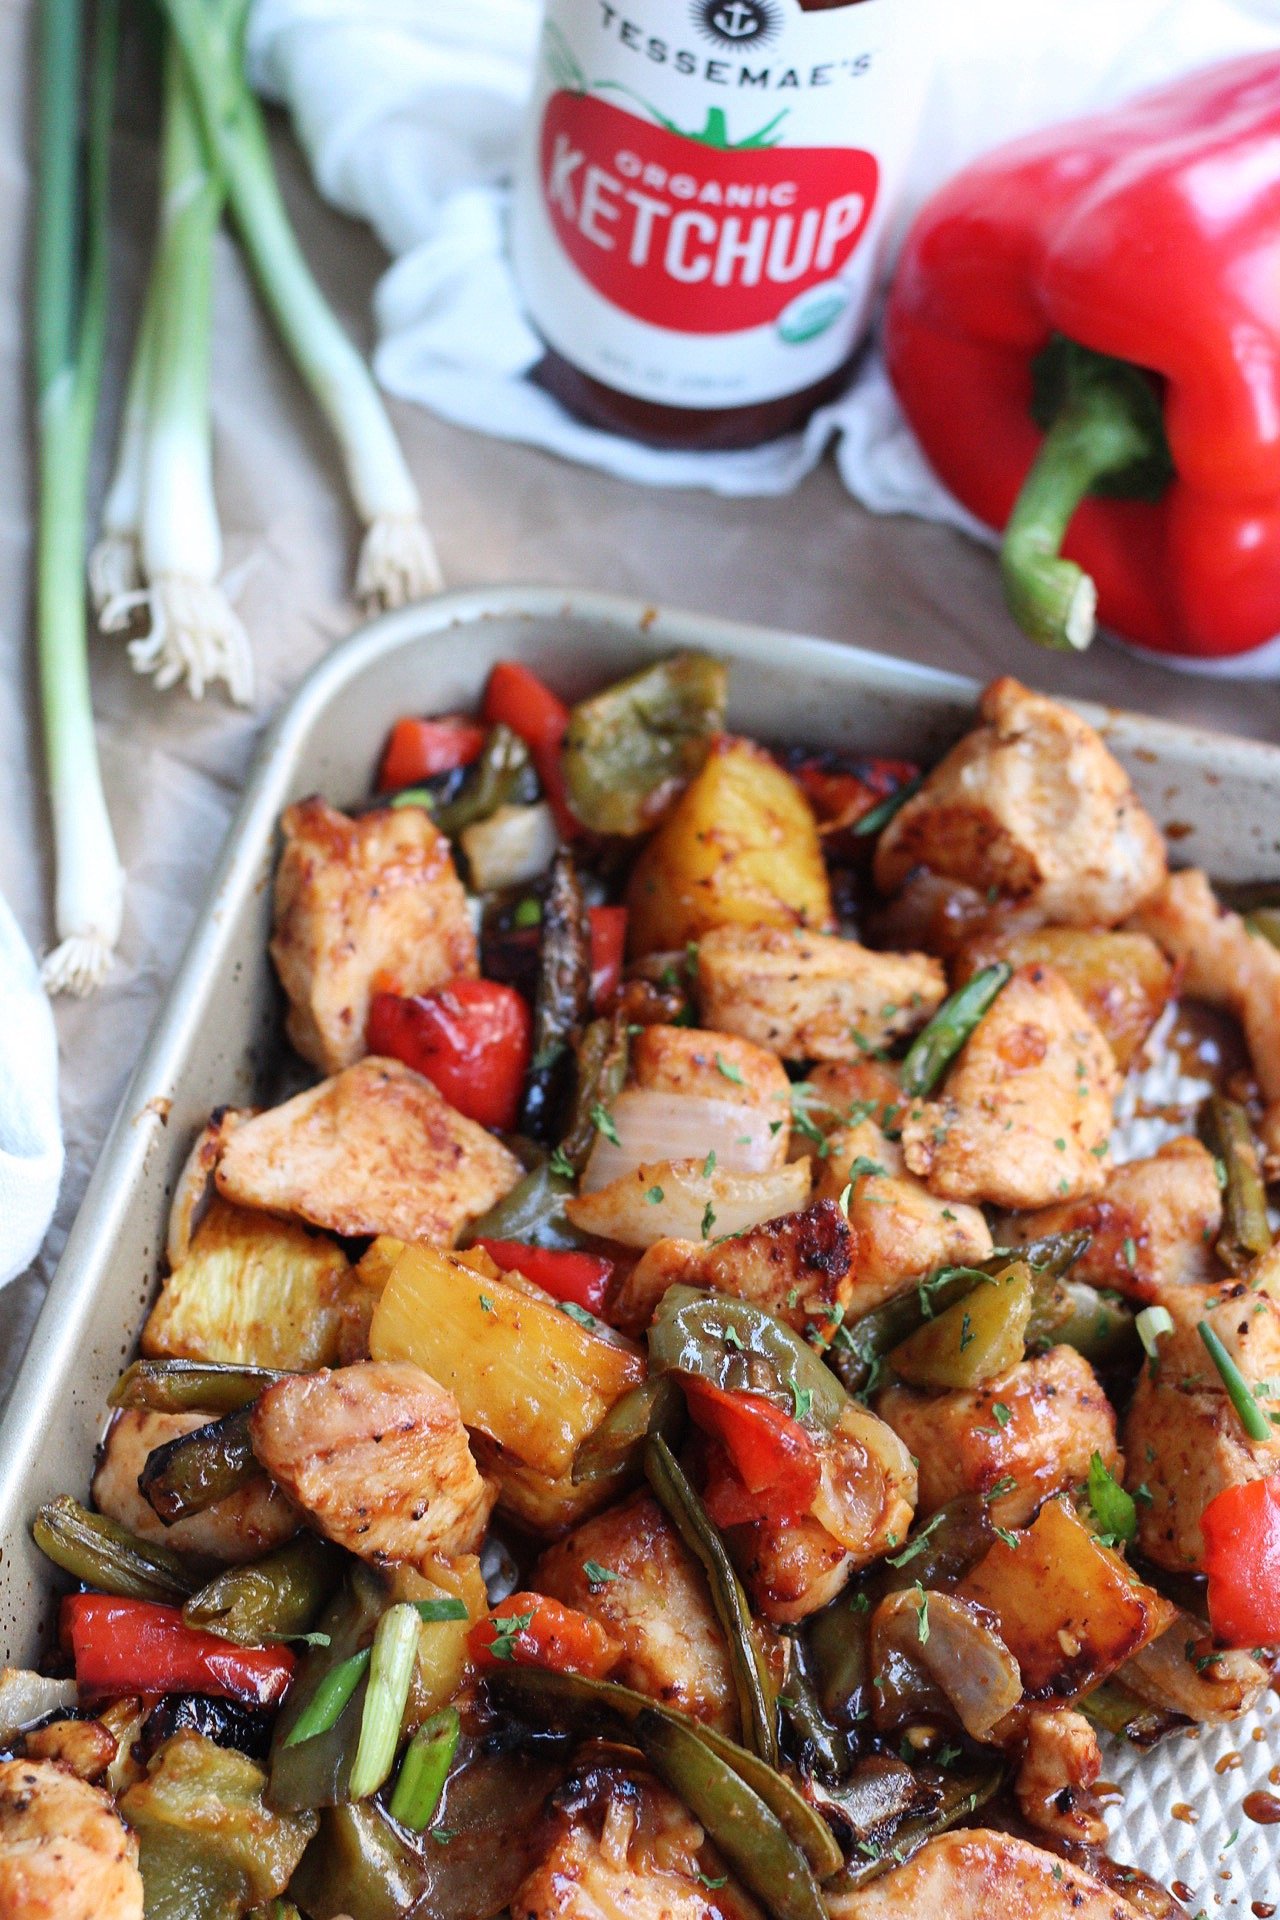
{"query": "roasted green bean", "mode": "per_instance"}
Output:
(563, 997)
(936, 1045)
(190, 1386)
(105, 1555)
(197, 1469)
(1246, 1232)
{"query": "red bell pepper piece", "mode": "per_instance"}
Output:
(139, 1646)
(516, 698)
(770, 1453)
(840, 799)
(608, 943)
(581, 1277)
(471, 1039)
(419, 749)
(1120, 234)
(533, 1631)
(1241, 1528)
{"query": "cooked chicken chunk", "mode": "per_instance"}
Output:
(864, 1503)
(799, 1266)
(256, 1292)
(85, 1747)
(374, 1150)
(1057, 1773)
(812, 996)
(710, 1066)
(1222, 963)
(1122, 980)
(1032, 805)
(244, 1526)
(359, 901)
(377, 1456)
(1053, 1416)
(900, 1230)
(634, 1857)
(65, 1853)
(977, 1874)
(657, 1605)
(1024, 1116)
(1183, 1439)
(839, 1093)
(1153, 1226)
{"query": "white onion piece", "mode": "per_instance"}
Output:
(26, 1697)
(959, 1649)
(683, 1126)
(1163, 1675)
(675, 1199)
(513, 845)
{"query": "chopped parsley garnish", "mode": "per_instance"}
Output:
(730, 1072)
(602, 1121)
(598, 1576)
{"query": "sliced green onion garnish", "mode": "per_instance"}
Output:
(395, 1652)
(882, 813)
(936, 1046)
(1151, 1323)
(1239, 1392)
(424, 1770)
(329, 1698)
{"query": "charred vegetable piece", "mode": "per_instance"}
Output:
(840, 1653)
(936, 1045)
(617, 1445)
(358, 1864)
(102, 1554)
(502, 775)
(601, 1072)
(740, 1347)
(1050, 1258)
(862, 1346)
(820, 1746)
(631, 747)
(209, 1845)
(424, 1770)
(876, 1797)
(190, 1386)
(1245, 1230)
(973, 1341)
(603, 1709)
(228, 1723)
(756, 1705)
(563, 998)
(960, 1794)
(943, 1548)
(269, 1599)
(532, 1212)
(744, 1828)
(1099, 1325)
(190, 1473)
(1117, 1711)
(317, 1729)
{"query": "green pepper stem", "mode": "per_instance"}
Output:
(1106, 429)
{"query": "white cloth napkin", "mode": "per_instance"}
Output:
(30, 1134)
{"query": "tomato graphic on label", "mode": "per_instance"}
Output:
(693, 234)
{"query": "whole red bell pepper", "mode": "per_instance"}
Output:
(1084, 333)
(1241, 1529)
(139, 1646)
(471, 1039)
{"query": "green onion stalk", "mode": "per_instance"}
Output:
(195, 635)
(69, 330)
(397, 560)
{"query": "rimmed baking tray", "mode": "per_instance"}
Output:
(218, 1039)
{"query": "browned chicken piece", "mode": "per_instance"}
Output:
(1024, 1116)
(376, 1455)
(900, 1230)
(1057, 1773)
(657, 1605)
(85, 1747)
(1032, 805)
(374, 1150)
(1030, 1432)
(1222, 963)
(863, 1507)
(1122, 980)
(813, 996)
(244, 1526)
(710, 1066)
(359, 901)
(1183, 1439)
(65, 1853)
(799, 1266)
(632, 1853)
(1153, 1225)
(839, 1093)
(977, 1874)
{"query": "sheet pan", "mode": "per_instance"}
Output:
(218, 1039)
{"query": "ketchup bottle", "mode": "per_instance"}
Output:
(701, 202)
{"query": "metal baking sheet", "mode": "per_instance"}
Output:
(219, 1039)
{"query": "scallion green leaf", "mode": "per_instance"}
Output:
(1239, 1392)
(395, 1652)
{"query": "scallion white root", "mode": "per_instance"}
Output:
(68, 329)
(397, 559)
(194, 633)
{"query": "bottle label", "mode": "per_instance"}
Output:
(703, 188)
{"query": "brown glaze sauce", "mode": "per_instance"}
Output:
(1187, 1814)
(1263, 1909)
(1228, 1763)
(1262, 1808)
